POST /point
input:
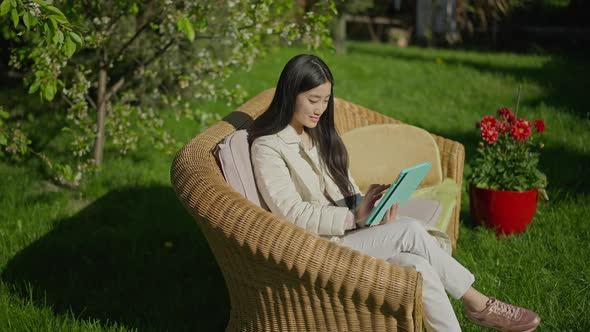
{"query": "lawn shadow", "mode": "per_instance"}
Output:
(465, 215)
(563, 77)
(135, 257)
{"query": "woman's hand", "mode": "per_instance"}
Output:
(390, 215)
(362, 211)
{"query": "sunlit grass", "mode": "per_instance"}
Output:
(122, 254)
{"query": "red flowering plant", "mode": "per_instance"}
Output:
(507, 157)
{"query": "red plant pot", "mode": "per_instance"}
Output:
(506, 211)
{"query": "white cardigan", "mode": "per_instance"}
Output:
(292, 182)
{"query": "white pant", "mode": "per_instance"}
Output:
(406, 242)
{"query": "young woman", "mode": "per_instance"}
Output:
(301, 170)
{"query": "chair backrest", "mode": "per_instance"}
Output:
(197, 165)
(202, 148)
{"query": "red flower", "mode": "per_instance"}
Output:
(503, 127)
(506, 114)
(489, 134)
(539, 125)
(521, 130)
(488, 122)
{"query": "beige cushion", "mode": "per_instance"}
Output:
(233, 154)
(378, 153)
(445, 193)
(426, 210)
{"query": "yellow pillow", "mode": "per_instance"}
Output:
(378, 153)
(446, 193)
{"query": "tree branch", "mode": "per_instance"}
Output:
(137, 33)
(67, 100)
(113, 23)
(146, 63)
(159, 53)
(114, 88)
(90, 101)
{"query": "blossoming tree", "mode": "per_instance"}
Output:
(119, 69)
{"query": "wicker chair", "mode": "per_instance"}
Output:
(281, 277)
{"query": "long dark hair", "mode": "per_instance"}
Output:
(302, 73)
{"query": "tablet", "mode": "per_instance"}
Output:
(399, 192)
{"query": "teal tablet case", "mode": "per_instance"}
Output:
(399, 192)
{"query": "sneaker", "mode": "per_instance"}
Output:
(504, 317)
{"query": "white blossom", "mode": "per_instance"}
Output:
(35, 9)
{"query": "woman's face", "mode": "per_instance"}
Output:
(310, 105)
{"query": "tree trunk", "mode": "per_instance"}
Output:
(101, 113)
(374, 36)
(423, 32)
(340, 34)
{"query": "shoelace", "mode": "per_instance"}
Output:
(505, 309)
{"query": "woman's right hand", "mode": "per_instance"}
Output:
(362, 211)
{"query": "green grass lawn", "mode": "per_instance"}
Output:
(122, 254)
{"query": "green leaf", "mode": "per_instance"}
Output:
(54, 10)
(66, 171)
(184, 25)
(4, 114)
(14, 15)
(48, 36)
(76, 38)
(49, 91)
(543, 193)
(34, 20)
(53, 22)
(5, 7)
(202, 23)
(43, 2)
(134, 9)
(58, 38)
(34, 87)
(27, 20)
(60, 19)
(69, 47)
(3, 140)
